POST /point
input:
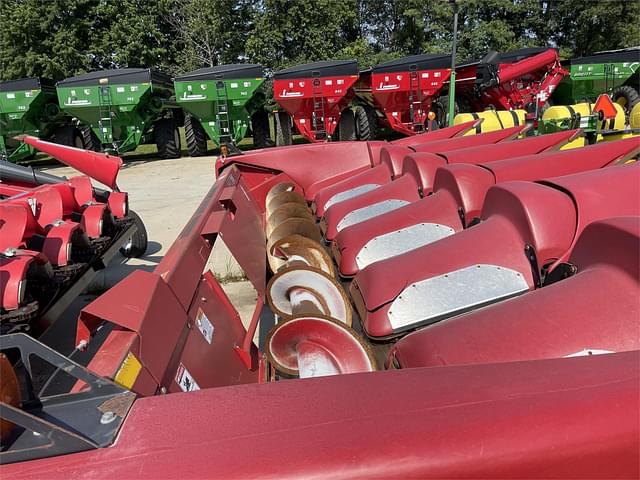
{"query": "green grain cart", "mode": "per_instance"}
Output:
(30, 106)
(125, 108)
(221, 103)
(616, 72)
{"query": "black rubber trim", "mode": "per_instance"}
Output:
(119, 76)
(330, 68)
(229, 72)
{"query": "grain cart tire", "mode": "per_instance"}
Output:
(284, 134)
(627, 97)
(137, 244)
(90, 140)
(196, 137)
(68, 135)
(363, 129)
(260, 129)
(347, 126)
(441, 108)
(167, 138)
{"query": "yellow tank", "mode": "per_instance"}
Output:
(562, 112)
(634, 116)
(492, 120)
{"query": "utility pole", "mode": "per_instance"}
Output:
(452, 78)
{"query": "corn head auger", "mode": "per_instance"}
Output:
(483, 351)
(57, 233)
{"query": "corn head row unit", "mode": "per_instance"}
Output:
(441, 305)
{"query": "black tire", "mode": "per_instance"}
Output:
(627, 97)
(137, 245)
(167, 138)
(69, 136)
(347, 126)
(196, 137)
(441, 109)
(363, 128)
(284, 134)
(260, 129)
(90, 140)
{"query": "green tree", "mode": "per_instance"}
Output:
(213, 32)
(295, 31)
(136, 33)
(46, 38)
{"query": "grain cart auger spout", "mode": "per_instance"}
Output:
(56, 233)
(521, 79)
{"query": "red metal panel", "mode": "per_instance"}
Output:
(308, 165)
(618, 194)
(518, 420)
(470, 141)
(596, 309)
(441, 134)
(378, 175)
(101, 166)
(437, 208)
(405, 188)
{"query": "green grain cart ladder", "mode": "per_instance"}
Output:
(125, 108)
(221, 103)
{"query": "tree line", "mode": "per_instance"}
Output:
(62, 38)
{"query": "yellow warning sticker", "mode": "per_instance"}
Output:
(128, 371)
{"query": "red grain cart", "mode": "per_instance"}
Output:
(405, 89)
(317, 97)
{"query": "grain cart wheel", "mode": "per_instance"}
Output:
(284, 134)
(627, 97)
(347, 126)
(196, 137)
(69, 136)
(363, 128)
(167, 137)
(90, 140)
(137, 244)
(260, 129)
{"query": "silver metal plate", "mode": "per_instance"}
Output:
(347, 194)
(401, 241)
(370, 211)
(454, 293)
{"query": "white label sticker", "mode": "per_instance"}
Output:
(205, 326)
(185, 380)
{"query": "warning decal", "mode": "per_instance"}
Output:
(185, 380)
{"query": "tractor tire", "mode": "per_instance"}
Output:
(284, 133)
(347, 126)
(196, 137)
(167, 138)
(137, 244)
(260, 129)
(90, 140)
(627, 97)
(363, 123)
(68, 135)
